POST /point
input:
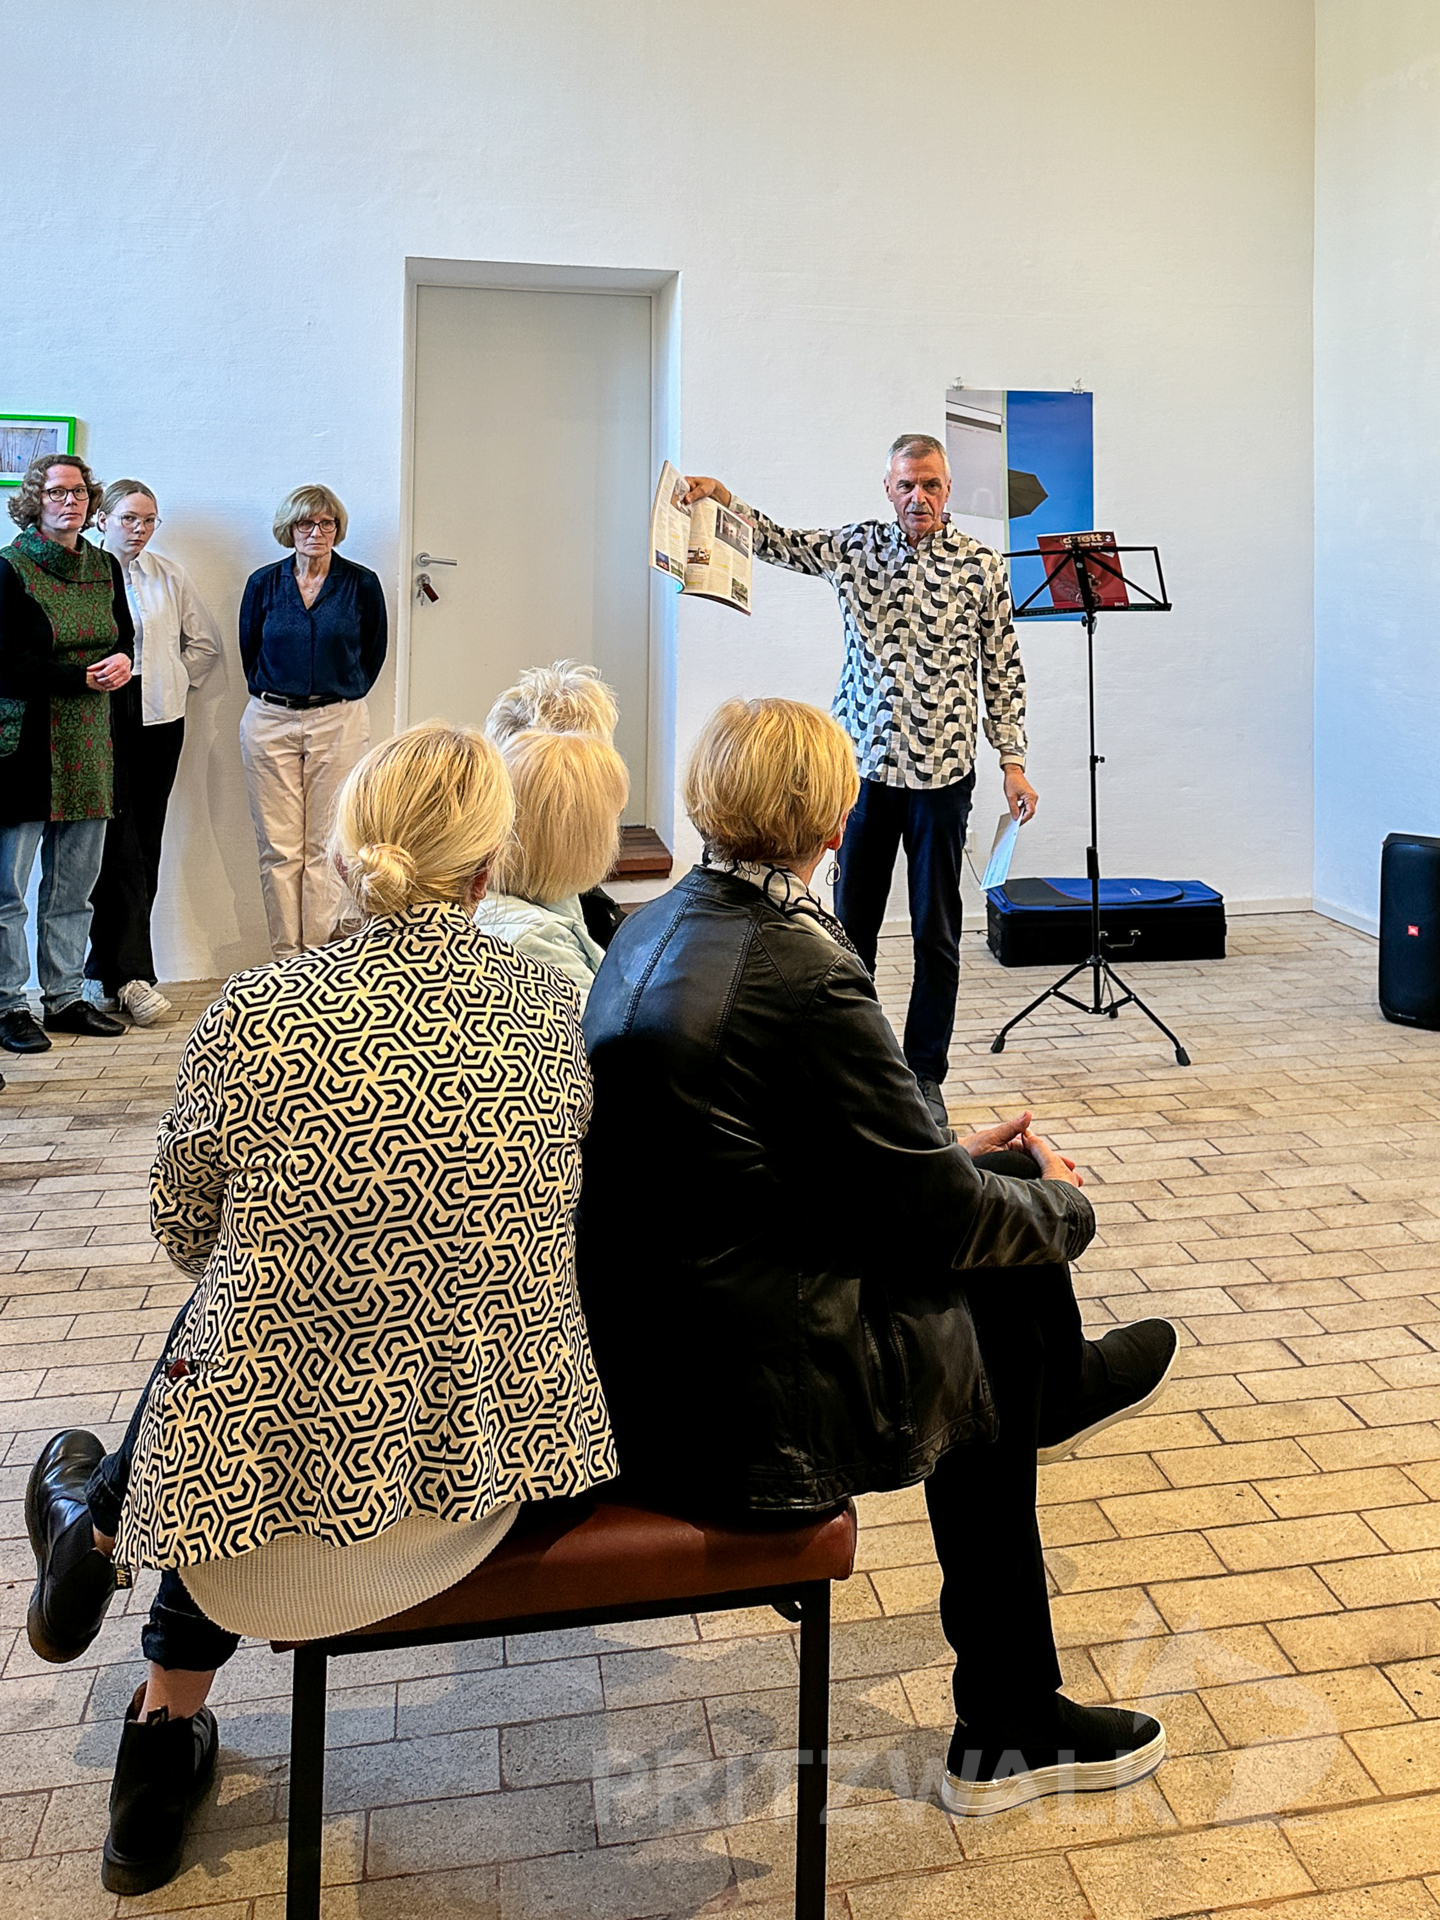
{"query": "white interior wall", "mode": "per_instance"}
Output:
(859, 210)
(1377, 440)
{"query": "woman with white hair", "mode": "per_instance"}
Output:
(312, 640)
(371, 1167)
(566, 697)
(570, 790)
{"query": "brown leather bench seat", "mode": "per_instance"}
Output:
(586, 1562)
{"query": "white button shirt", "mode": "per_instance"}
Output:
(176, 641)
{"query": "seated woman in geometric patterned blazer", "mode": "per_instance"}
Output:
(371, 1166)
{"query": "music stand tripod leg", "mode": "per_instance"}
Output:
(1132, 999)
(997, 1045)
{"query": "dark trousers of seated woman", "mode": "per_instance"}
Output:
(994, 1607)
(177, 1636)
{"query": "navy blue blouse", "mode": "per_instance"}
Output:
(335, 647)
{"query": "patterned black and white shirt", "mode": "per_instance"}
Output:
(372, 1166)
(922, 625)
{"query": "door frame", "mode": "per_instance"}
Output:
(663, 288)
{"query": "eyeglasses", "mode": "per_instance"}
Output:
(57, 494)
(139, 523)
(317, 526)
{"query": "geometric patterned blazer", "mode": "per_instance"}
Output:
(372, 1164)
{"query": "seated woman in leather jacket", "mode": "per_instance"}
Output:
(828, 1296)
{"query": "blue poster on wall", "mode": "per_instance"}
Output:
(1022, 464)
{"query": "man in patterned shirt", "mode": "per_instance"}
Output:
(926, 611)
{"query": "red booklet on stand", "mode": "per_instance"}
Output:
(1100, 560)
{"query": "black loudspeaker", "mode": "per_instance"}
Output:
(1410, 929)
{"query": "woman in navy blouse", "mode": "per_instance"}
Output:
(312, 640)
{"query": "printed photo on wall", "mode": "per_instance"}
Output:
(1022, 463)
(26, 436)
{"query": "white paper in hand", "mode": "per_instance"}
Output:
(1002, 852)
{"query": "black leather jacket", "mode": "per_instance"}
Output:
(771, 1224)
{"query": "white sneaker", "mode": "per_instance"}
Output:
(95, 995)
(144, 1004)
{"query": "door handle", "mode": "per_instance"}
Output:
(429, 560)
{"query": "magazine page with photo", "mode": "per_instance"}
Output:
(707, 548)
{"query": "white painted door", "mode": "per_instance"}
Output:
(532, 472)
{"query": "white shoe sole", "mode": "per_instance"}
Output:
(970, 1798)
(1046, 1456)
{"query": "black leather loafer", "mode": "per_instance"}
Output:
(20, 1034)
(74, 1581)
(162, 1772)
(81, 1017)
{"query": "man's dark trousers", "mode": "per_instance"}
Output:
(930, 823)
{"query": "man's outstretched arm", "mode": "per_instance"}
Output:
(797, 551)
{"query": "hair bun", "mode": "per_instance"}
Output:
(382, 877)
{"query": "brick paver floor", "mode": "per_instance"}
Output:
(1258, 1559)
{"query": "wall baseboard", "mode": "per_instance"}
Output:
(1361, 922)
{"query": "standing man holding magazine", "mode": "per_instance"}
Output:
(926, 611)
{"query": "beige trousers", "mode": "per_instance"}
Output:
(295, 763)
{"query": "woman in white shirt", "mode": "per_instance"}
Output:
(176, 646)
(570, 790)
(371, 1167)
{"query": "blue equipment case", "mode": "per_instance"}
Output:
(1034, 923)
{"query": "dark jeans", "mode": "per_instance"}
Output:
(124, 895)
(930, 823)
(177, 1635)
(994, 1607)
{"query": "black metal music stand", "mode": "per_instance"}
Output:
(1093, 566)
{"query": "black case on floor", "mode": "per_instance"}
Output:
(1410, 929)
(1034, 923)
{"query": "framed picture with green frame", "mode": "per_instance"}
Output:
(26, 436)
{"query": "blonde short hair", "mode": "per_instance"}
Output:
(420, 816)
(570, 790)
(564, 698)
(770, 780)
(308, 503)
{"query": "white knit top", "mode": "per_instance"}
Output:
(296, 1587)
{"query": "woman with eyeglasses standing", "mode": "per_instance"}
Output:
(66, 640)
(176, 645)
(312, 640)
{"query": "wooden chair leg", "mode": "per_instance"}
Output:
(814, 1757)
(307, 1784)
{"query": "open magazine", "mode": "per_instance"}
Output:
(706, 547)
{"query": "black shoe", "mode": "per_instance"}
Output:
(930, 1093)
(74, 1581)
(1124, 1373)
(1076, 1750)
(20, 1034)
(81, 1017)
(162, 1772)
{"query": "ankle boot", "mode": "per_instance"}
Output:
(162, 1771)
(74, 1581)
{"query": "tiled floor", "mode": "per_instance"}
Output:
(1259, 1558)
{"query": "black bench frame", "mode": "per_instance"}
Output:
(807, 1602)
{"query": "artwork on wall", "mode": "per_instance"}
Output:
(1021, 464)
(26, 436)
